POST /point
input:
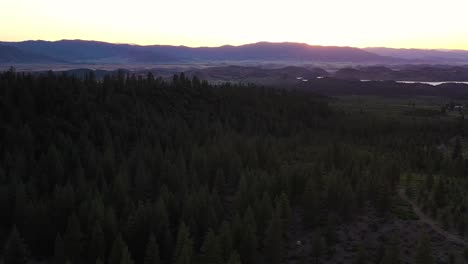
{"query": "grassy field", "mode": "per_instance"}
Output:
(422, 106)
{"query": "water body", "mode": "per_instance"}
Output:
(430, 83)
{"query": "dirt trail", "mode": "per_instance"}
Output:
(427, 220)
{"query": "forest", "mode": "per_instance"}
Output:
(144, 170)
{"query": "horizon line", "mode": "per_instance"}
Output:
(233, 45)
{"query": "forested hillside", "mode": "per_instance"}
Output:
(141, 170)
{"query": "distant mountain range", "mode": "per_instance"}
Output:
(79, 51)
(9, 54)
(423, 55)
(94, 52)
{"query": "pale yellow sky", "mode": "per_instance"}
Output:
(360, 23)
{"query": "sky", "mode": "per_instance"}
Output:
(359, 23)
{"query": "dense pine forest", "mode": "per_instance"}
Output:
(139, 169)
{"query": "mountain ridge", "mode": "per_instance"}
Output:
(80, 51)
(422, 54)
(96, 52)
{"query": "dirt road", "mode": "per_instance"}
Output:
(429, 221)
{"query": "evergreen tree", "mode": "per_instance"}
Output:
(125, 257)
(311, 202)
(318, 247)
(282, 203)
(117, 249)
(457, 149)
(225, 240)
(440, 194)
(211, 251)
(152, 251)
(234, 258)
(248, 244)
(73, 239)
(65, 144)
(59, 250)
(361, 257)
(424, 251)
(15, 251)
(274, 245)
(183, 253)
(392, 251)
(97, 245)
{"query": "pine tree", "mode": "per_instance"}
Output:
(311, 202)
(440, 194)
(226, 243)
(282, 203)
(59, 250)
(152, 251)
(234, 258)
(273, 244)
(392, 251)
(142, 179)
(248, 244)
(97, 245)
(457, 149)
(125, 257)
(183, 253)
(54, 165)
(160, 213)
(263, 210)
(318, 247)
(118, 247)
(73, 239)
(15, 251)
(423, 251)
(211, 249)
(361, 257)
(167, 244)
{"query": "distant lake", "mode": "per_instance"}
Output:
(430, 83)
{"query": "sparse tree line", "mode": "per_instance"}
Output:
(143, 170)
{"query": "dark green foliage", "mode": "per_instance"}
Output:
(210, 250)
(311, 202)
(423, 252)
(361, 256)
(318, 247)
(125, 257)
(457, 149)
(234, 259)
(225, 240)
(15, 251)
(152, 251)
(465, 253)
(73, 239)
(59, 251)
(97, 245)
(392, 251)
(274, 241)
(88, 168)
(183, 252)
(248, 239)
(116, 253)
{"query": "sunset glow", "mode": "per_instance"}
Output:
(360, 23)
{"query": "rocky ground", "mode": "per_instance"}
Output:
(371, 231)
